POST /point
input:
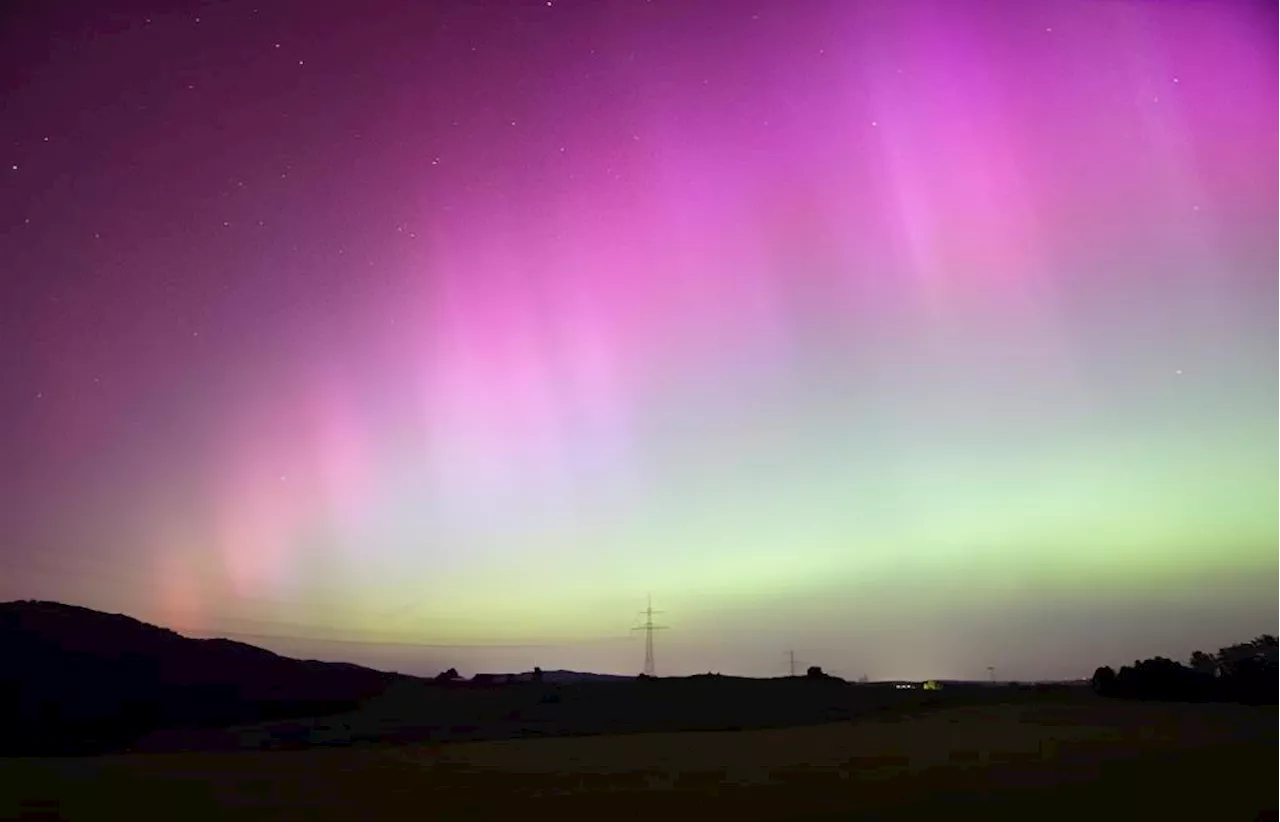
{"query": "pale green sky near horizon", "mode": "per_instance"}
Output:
(915, 336)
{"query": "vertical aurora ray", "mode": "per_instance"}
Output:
(886, 319)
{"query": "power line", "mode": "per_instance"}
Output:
(219, 617)
(216, 634)
(650, 667)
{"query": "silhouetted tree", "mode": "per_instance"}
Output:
(1257, 653)
(815, 672)
(448, 676)
(1248, 671)
(1157, 677)
(1161, 678)
(1245, 672)
(1203, 663)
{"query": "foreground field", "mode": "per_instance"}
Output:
(1097, 759)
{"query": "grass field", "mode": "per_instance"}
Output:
(1088, 759)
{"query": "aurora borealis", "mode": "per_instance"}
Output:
(915, 336)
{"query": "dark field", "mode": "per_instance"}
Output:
(1006, 755)
(415, 711)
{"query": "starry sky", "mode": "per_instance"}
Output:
(915, 337)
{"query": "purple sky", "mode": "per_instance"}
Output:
(906, 329)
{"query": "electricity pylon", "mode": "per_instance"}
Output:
(650, 668)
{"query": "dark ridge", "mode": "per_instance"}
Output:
(75, 680)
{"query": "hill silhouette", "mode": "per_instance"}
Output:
(78, 681)
(75, 680)
(556, 677)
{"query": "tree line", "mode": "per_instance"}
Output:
(1244, 672)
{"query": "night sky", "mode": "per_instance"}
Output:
(917, 337)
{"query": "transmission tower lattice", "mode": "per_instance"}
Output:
(650, 669)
